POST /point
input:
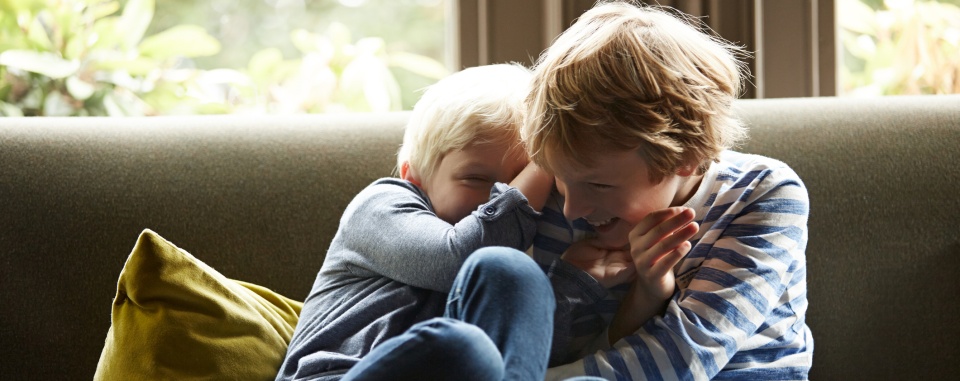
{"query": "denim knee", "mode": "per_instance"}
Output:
(460, 345)
(505, 293)
(452, 335)
(435, 349)
(512, 268)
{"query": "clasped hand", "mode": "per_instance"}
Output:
(657, 243)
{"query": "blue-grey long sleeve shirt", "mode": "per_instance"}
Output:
(390, 266)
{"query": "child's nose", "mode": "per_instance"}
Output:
(575, 206)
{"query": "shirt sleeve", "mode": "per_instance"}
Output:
(751, 255)
(390, 230)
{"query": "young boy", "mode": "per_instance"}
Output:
(630, 109)
(374, 312)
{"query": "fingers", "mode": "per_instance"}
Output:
(623, 275)
(683, 235)
(654, 219)
(665, 263)
(618, 270)
(659, 225)
(672, 248)
(609, 267)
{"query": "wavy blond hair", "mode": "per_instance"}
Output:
(483, 104)
(626, 77)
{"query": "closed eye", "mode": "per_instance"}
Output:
(599, 186)
(477, 179)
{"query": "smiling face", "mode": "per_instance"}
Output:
(463, 179)
(616, 192)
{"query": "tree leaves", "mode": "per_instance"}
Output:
(94, 57)
(44, 63)
(180, 41)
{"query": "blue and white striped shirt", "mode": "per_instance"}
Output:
(741, 298)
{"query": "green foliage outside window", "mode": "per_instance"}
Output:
(893, 47)
(99, 57)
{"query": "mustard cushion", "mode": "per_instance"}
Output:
(175, 318)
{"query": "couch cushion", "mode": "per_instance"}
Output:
(176, 318)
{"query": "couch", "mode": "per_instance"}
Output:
(259, 197)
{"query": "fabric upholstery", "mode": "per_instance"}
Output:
(883, 258)
(260, 198)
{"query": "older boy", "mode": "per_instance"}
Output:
(391, 272)
(631, 110)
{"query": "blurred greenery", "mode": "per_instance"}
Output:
(247, 27)
(141, 57)
(895, 47)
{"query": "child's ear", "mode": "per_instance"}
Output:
(686, 170)
(409, 174)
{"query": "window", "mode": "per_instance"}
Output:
(892, 47)
(791, 39)
(149, 57)
(800, 48)
(326, 39)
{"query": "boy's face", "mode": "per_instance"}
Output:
(464, 178)
(616, 193)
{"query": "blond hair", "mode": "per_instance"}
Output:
(635, 77)
(477, 105)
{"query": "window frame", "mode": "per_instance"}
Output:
(792, 42)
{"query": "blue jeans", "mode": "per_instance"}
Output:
(498, 325)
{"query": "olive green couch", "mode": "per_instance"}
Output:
(259, 198)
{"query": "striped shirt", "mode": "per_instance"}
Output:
(741, 300)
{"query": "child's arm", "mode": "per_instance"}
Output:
(390, 230)
(535, 184)
(408, 243)
(657, 244)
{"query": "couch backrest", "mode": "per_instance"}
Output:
(883, 257)
(259, 198)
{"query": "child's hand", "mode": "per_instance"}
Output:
(610, 267)
(657, 244)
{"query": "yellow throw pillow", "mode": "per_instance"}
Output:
(175, 318)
